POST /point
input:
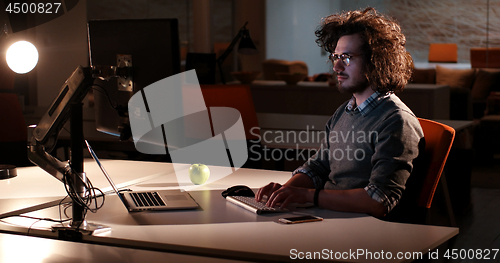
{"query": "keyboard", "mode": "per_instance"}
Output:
(147, 199)
(250, 204)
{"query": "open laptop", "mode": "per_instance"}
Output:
(149, 200)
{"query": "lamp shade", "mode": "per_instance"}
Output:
(22, 57)
(246, 46)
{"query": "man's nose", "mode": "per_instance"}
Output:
(338, 66)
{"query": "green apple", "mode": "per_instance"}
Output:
(199, 173)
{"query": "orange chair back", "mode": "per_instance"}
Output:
(233, 96)
(485, 57)
(443, 52)
(438, 141)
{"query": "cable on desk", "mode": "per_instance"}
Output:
(88, 198)
(42, 219)
(68, 205)
(38, 219)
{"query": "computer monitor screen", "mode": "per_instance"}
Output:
(154, 48)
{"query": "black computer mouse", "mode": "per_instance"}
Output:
(238, 190)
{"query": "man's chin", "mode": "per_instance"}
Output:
(351, 89)
(344, 89)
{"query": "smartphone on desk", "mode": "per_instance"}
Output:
(299, 219)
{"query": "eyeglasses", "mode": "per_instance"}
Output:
(346, 58)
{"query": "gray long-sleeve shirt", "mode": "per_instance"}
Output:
(371, 146)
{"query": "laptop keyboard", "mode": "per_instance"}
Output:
(250, 204)
(147, 199)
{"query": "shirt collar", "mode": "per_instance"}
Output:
(369, 104)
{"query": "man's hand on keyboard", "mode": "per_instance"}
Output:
(284, 195)
(266, 191)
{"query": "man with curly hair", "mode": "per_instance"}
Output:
(372, 139)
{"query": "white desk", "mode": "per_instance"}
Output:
(218, 229)
(18, 248)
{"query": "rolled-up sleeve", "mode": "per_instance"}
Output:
(317, 167)
(398, 145)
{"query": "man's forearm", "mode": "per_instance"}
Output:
(353, 200)
(300, 180)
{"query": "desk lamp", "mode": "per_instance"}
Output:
(246, 47)
(22, 56)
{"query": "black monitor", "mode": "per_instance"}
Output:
(153, 45)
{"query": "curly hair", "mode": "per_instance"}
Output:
(390, 65)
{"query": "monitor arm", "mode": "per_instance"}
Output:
(42, 138)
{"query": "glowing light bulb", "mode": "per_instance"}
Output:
(22, 57)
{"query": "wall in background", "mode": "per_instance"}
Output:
(227, 17)
(253, 12)
(447, 21)
(62, 47)
(222, 11)
(283, 29)
(290, 26)
(62, 42)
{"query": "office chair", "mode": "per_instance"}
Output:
(427, 173)
(485, 57)
(443, 52)
(233, 96)
(238, 97)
